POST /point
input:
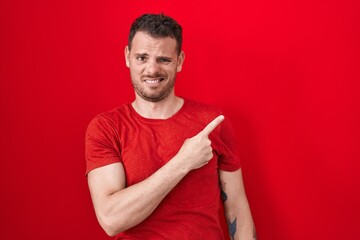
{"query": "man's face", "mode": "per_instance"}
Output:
(153, 64)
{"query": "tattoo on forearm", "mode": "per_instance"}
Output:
(223, 196)
(222, 191)
(254, 233)
(232, 228)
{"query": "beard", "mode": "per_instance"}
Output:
(156, 93)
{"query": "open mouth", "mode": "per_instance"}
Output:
(154, 80)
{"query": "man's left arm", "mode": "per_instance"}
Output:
(237, 210)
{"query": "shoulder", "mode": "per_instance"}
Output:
(201, 105)
(110, 119)
(202, 111)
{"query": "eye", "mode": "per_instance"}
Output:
(140, 58)
(165, 60)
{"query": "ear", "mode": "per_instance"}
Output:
(180, 62)
(127, 56)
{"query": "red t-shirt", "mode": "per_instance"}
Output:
(190, 210)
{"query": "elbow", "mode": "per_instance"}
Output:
(109, 230)
(114, 223)
(110, 227)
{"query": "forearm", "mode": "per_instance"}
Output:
(240, 222)
(237, 210)
(128, 207)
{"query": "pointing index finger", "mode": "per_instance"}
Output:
(212, 125)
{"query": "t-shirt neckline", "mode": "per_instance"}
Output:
(153, 120)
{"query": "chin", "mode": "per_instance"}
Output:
(153, 99)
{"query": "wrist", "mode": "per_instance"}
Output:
(179, 165)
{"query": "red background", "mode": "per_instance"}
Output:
(287, 73)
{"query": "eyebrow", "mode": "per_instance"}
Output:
(146, 55)
(142, 54)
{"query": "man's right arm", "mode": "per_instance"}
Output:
(119, 208)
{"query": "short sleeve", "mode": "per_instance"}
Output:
(102, 146)
(229, 159)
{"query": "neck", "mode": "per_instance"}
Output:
(163, 109)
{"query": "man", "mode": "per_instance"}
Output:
(154, 165)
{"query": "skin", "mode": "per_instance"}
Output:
(153, 64)
(154, 59)
(237, 210)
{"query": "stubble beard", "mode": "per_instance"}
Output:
(159, 93)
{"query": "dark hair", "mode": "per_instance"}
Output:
(157, 26)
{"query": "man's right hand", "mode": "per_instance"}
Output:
(197, 151)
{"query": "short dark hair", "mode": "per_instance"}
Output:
(157, 26)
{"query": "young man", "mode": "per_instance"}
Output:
(154, 165)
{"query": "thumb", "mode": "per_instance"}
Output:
(212, 125)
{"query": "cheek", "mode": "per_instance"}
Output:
(136, 69)
(171, 70)
(135, 76)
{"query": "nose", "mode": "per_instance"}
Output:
(152, 67)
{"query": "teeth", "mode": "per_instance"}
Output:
(152, 80)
